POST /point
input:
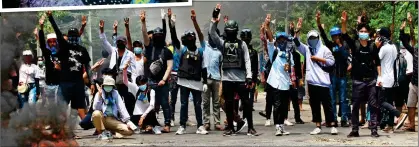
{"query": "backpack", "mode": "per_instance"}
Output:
(157, 66)
(399, 68)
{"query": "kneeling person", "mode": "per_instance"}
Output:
(110, 113)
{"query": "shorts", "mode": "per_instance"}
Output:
(412, 100)
(74, 93)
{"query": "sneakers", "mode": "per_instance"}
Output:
(281, 131)
(201, 130)
(299, 121)
(156, 130)
(180, 131)
(316, 131)
(334, 131)
(344, 124)
(268, 123)
(106, 135)
(228, 132)
(353, 134)
(374, 133)
(252, 132)
(401, 120)
(262, 113)
(172, 123)
(288, 123)
(241, 125)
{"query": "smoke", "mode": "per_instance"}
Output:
(47, 120)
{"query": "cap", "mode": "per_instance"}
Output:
(51, 36)
(107, 80)
(121, 38)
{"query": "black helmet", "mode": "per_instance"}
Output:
(137, 42)
(231, 25)
(158, 30)
(187, 34)
(73, 32)
(246, 33)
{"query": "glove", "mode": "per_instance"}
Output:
(163, 15)
(205, 88)
(173, 19)
(131, 125)
(215, 13)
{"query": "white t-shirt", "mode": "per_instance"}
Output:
(141, 108)
(409, 58)
(139, 69)
(387, 55)
(28, 73)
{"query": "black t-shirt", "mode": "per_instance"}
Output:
(72, 60)
(157, 55)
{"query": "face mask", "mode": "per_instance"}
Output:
(231, 35)
(143, 87)
(363, 36)
(74, 40)
(120, 46)
(107, 88)
(313, 42)
(105, 54)
(41, 63)
(138, 50)
(53, 50)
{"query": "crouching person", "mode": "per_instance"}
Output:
(144, 113)
(107, 104)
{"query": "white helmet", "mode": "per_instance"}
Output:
(51, 36)
(27, 53)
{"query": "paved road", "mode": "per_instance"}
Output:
(299, 135)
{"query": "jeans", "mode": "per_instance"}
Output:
(362, 90)
(386, 98)
(174, 88)
(162, 93)
(197, 100)
(320, 96)
(149, 120)
(229, 90)
(280, 105)
(28, 97)
(340, 83)
(213, 91)
(87, 123)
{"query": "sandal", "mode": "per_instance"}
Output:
(409, 129)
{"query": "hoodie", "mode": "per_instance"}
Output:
(315, 75)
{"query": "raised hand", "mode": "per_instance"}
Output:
(193, 15)
(409, 18)
(225, 18)
(318, 17)
(299, 24)
(83, 20)
(173, 19)
(41, 21)
(218, 6)
(126, 20)
(115, 24)
(35, 31)
(292, 25)
(142, 16)
(267, 20)
(162, 13)
(101, 25)
(49, 13)
(344, 17)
